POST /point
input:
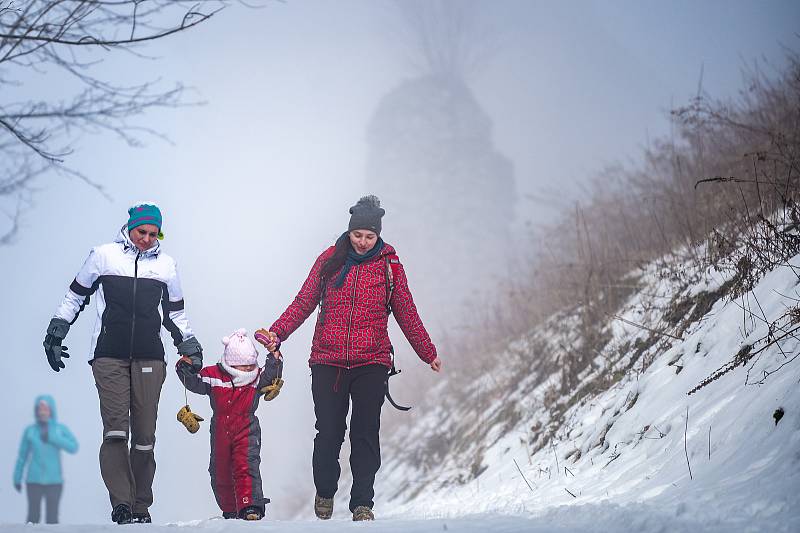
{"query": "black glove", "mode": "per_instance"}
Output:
(56, 332)
(189, 367)
(18, 487)
(191, 348)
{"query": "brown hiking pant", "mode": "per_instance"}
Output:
(129, 391)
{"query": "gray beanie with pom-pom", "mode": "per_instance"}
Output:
(366, 214)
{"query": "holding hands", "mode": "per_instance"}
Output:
(269, 340)
(191, 349)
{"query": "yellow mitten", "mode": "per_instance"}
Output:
(272, 390)
(189, 419)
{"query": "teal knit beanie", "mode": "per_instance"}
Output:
(141, 214)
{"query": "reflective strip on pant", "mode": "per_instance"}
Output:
(143, 447)
(116, 435)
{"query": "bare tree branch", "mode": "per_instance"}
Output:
(44, 38)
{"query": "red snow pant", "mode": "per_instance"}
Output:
(235, 462)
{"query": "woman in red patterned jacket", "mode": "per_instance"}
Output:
(357, 283)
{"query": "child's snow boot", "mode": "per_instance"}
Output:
(361, 513)
(141, 518)
(251, 513)
(121, 514)
(323, 507)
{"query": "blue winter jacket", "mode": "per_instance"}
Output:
(45, 457)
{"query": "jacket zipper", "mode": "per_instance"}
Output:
(350, 321)
(135, 278)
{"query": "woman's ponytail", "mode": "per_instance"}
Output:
(336, 261)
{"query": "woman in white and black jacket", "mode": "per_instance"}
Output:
(137, 292)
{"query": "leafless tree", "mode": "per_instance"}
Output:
(38, 38)
(447, 38)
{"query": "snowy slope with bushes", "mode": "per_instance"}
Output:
(525, 441)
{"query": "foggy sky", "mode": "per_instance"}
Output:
(259, 180)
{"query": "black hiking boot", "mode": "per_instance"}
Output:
(121, 514)
(323, 507)
(361, 513)
(227, 515)
(251, 513)
(141, 518)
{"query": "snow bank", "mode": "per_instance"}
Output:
(618, 461)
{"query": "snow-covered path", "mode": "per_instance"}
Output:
(606, 517)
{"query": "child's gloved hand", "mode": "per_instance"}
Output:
(189, 419)
(272, 390)
(186, 363)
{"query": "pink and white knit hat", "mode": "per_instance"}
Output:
(239, 349)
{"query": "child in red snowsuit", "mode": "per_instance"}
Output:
(234, 386)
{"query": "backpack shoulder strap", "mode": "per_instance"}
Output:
(390, 262)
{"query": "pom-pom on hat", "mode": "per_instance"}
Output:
(142, 213)
(239, 349)
(366, 214)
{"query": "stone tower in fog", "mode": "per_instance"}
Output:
(448, 192)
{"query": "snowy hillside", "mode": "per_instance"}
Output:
(611, 453)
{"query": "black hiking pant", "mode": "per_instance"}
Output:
(333, 389)
(51, 495)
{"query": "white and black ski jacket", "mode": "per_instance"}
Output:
(137, 293)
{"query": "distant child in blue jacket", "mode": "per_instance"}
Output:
(41, 444)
